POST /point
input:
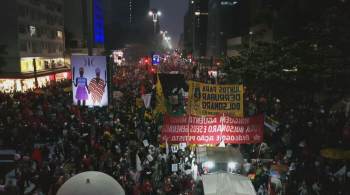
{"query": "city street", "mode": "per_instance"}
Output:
(133, 98)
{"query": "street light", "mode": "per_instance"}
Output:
(250, 39)
(168, 41)
(164, 33)
(155, 14)
(167, 38)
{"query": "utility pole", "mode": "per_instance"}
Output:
(90, 25)
(35, 74)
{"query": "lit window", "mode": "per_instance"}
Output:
(32, 30)
(229, 3)
(59, 34)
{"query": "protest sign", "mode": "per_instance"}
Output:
(212, 129)
(145, 143)
(210, 99)
(174, 167)
(174, 148)
(182, 146)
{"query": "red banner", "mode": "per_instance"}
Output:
(213, 129)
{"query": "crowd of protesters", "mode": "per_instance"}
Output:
(55, 140)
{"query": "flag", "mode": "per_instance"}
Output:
(147, 100)
(160, 100)
(271, 123)
(138, 163)
(341, 172)
(222, 144)
(166, 147)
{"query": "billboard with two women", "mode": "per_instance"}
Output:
(89, 80)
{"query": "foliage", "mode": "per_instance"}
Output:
(2, 53)
(312, 64)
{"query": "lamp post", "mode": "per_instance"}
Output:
(154, 14)
(164, 33)
(250, 39)
(167, 39)
(35, 74)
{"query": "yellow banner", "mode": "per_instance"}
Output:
(210, 99)
(337, 154)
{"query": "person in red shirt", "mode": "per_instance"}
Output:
(168, 185)
(36, 155)
(87, 162)
(146, 187)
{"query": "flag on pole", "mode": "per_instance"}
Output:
(138, 163)
(160, 99)
(166, 147)
(147, 100)
(341, 172)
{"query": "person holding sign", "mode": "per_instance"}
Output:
(82, 88)
(97, 87)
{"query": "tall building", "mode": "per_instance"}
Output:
(34, 41)
(195, 28)
(188, 32)
(227, 19)
(127, 22)
(199, 16)
(76, 20)
(75, 27)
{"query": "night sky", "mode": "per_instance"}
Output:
(173, 12)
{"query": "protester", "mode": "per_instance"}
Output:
(55, 140)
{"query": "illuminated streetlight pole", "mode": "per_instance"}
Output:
(167, 39)
(155, 14)
(164, 33)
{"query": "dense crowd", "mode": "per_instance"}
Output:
(55, 140)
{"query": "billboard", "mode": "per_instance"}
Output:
(89, 80)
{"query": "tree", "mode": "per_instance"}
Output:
(2, 53)
(316, 62)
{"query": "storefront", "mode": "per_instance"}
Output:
(27, 64)
(23, 84)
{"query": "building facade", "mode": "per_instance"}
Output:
(76, 24)
(34, 41)
(227, 19)
(127, 22)
(195, 28)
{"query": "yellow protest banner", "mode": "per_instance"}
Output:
(336, 154)
(211, 99)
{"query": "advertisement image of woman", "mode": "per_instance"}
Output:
(82, 88)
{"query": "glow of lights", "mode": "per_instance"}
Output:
(197, 13)
(209, 164)
(290, 70)
(150, 13)
(232, 165)
(159, 13)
